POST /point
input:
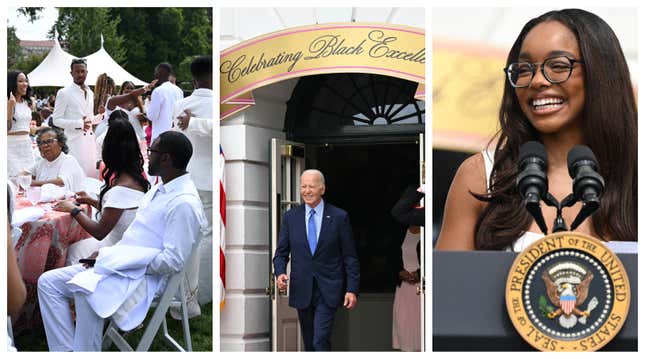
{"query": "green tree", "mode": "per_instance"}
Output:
(30, 12)
(13, 47)
(81, 28)
(30, 62)
(135, 30)
(197, 35)
(140, 38)
(155, 35)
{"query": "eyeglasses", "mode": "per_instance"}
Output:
(150, 150)
(46, 142)
(554, 69)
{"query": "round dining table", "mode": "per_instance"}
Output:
(42, 246)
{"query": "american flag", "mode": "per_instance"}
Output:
(567, 303)
(222, 227)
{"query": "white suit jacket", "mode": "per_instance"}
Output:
(71, 105)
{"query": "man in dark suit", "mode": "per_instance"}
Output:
(324, 265)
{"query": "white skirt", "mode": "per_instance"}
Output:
(20, 155)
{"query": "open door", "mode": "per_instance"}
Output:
(287, 162)
(421, 287)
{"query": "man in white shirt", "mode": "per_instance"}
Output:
(194, 117)
(73, 113)
(128, 275)
(162, 101)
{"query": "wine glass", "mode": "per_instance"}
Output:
(24, 181)
(33, 195)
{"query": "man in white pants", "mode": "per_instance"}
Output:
(73, 112)
(128, 275)
(194, 117)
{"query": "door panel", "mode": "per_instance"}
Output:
(287, 162)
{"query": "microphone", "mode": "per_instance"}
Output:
(532, 182)
(588, 184)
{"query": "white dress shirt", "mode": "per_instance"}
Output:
(72, 104)
(159, 110)
(200, 134)
(156, 244)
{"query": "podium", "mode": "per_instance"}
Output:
(469, 309)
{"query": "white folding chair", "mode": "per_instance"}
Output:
(173, 293)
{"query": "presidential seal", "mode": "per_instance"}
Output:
(567, 292)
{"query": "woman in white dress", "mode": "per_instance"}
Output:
(20, 154)
(120, 196)
(567, 84)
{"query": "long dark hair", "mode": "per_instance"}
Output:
(12, 85)
(609, 129)
(121, 153)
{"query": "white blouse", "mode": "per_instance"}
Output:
(64, 167)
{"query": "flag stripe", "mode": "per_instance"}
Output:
(222, 232)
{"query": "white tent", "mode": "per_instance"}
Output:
(101, 62)
(54, 70)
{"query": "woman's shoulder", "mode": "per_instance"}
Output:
(128, 182)
(122, 197)
(471, 174)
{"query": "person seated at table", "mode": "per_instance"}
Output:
(56, 166)
(156, 245)
(120, 196)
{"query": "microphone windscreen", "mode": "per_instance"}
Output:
(533, 149)
(579, 153)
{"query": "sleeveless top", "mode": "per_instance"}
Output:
(525, 239)
(22, 117)
(125, 198)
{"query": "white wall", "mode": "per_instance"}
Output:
(244, 322)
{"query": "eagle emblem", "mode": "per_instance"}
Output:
(567, 287)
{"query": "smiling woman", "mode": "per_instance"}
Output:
(567, 84)
(19, 154)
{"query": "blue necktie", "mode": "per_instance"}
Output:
(311, 232)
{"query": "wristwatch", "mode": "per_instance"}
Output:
(75, 211)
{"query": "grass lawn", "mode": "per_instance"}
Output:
(201, 332)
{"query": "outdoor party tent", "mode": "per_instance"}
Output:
(101, 62)
(54, 70)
